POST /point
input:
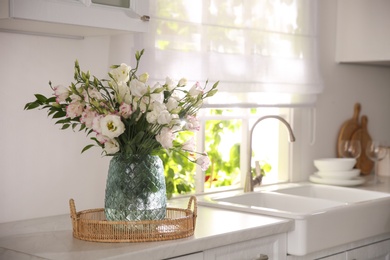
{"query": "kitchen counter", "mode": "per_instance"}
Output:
(51, 237)
(384, 186)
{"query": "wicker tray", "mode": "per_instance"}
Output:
(91, 225)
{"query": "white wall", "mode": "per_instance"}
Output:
(41, 167)
(345, 84)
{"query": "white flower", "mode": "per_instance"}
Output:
(112, 126)
(172, 104)
(164, 117)
(111, 146)
(151, 116)
(195, 90)
(143, 104)
(74, 109)
(138, 88)
(61, 93)
(156, 97)
(143, 77)
(122, 92)
(203, 161)
(121, 74)
(176, 123)
(182, 82)
(165, 138)
(92, 93)
(170, 83)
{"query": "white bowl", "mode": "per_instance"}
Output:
(335, 164)
(342, 175)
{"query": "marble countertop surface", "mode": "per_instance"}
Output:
(51, 237)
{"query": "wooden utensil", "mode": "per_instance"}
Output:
(363, 162)
(349, 127)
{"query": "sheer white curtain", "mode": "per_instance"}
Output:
(263, 52)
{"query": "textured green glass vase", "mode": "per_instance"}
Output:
(135, 188)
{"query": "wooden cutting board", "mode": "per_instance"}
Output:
(349, 127)
(363, 162)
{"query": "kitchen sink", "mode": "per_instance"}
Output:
(325, 216)
(327, 192)
(276, 204)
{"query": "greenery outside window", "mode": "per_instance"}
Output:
(224, 135)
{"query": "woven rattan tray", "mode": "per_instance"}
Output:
(91, 225)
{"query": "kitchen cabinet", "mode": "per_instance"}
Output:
(73, 18)
(362, 32)
(376, 251)
(195, 256)
(273, 247)
(341, 256)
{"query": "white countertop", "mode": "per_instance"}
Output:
(51, 237)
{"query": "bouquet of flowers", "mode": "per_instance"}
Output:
(125, 114)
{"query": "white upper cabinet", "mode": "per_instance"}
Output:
(363, 33)
(74, 18)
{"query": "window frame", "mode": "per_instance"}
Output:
(284, 161)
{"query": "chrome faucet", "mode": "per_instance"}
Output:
(249, 181)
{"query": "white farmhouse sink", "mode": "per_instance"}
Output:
(325, 216)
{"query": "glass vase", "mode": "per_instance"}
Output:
(135, 188)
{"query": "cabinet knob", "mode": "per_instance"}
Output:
(262, 257)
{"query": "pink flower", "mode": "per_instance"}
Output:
(165, 138)
(74, 109)
(101, 138)
(87, 117)
(125, 110)
(96, 124)
(61, 93)
(189, 145)
(203, 161)
(192, 123)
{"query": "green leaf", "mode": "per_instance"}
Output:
(63, 121)
(59, 114)
(137, 139)
(82, 127)
(66, 126)
(31, 105)
(87, 147)
(50, 100)
(41, 98)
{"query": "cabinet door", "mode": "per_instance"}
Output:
(377, 251)
(341, 256)
(273, 247)
(195, 256)
(72, 18)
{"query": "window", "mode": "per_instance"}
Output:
(263, 52)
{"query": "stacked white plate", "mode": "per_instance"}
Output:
(337, 171)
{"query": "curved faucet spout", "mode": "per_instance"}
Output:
(249, 181)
